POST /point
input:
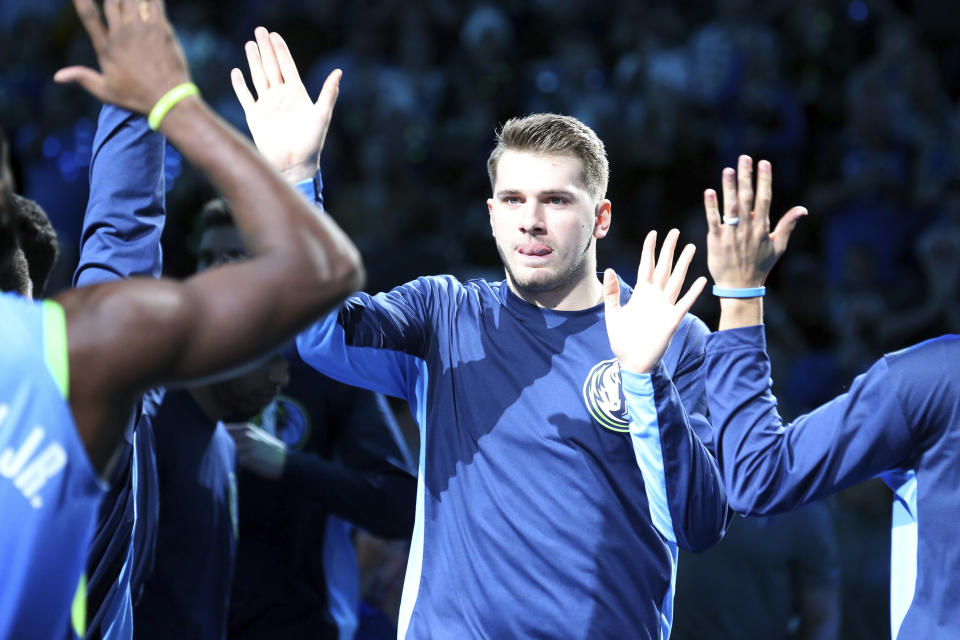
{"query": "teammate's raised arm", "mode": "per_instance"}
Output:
(741, 249)
(130, 335)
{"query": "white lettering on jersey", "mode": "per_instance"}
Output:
(30, 475)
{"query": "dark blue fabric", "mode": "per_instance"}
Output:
(899, 420)
(534, 520)
(188, 592)
(343, 460)
(121, 238)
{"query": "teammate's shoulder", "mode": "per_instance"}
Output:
(934, 356)
(452, 286)
(14, 302)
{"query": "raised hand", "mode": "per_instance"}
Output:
(741, 250)
(139, 55)
(288, 128)
(640, 331)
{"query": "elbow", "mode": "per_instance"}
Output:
(331, 274)
(343, 272)
(747, 501)
(705, 538)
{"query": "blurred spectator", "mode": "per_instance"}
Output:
(785, 566)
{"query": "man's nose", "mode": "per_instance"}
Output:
(531, 218)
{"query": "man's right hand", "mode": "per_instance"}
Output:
(288, 128)
(742, 250)
(139, 55)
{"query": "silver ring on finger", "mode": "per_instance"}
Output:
(731, 220)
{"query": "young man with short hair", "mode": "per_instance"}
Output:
(552, 496)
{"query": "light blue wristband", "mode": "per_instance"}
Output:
(754, 292)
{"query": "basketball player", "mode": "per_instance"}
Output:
(72, 366)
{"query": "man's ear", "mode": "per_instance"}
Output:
(601, 223)
(490, 212)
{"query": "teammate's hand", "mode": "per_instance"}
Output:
(288, 128)
(740, 248)
(257, 450)
(139, 55)
(640, 331)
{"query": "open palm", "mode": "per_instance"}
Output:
(287, 126)
(640, 331)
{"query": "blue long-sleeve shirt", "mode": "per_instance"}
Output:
(900, 421)
(121, 238)
(552, 498)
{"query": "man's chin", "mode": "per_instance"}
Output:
(536, 280)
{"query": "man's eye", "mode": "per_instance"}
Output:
(512, 200)
(558, 200)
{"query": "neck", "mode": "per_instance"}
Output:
(585, 292)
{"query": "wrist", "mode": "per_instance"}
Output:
(637, 367)
(169, 100)
(740, 312)
(179, 114)
(739, 292)
(299, 172)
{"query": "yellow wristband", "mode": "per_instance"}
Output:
(168, 101)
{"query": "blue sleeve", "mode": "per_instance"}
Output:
(688, 377)
(312, 189)
(770, 467)
(125, 213)
(374, 342)
(681, 478)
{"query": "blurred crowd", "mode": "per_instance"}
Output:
(854, 103)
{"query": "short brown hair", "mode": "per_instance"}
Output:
(555, 134)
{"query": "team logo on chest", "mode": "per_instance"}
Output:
(604, 397)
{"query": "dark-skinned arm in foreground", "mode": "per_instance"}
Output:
(128, 336)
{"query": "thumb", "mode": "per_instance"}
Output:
(786, 225)
(611, 290)
(84, 76)
(330, 91)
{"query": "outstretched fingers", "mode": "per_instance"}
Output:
(285, 59)
(712, 209)
(764, 195)
(664, 266)
(685, 303)
(240, 88)
(329, 92)
(675, 282)
(786, 225)
(86, 77)
(645, 271)
(745, 188)
(257, 75)
(90, 17)
(728, 183)
(611, 291)
(271, 68)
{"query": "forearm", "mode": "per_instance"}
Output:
(740, 312)
(125, 212)
(771, 467)
(683, 484)
(382, 501)
(273, 217)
